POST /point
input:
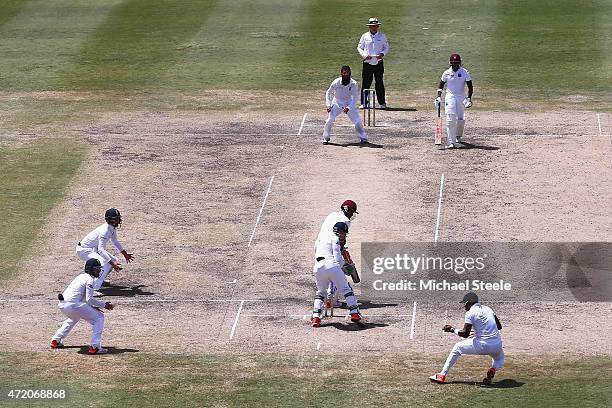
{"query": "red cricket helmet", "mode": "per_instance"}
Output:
(455, 59)
(349, 206)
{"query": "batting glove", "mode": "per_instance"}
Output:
(467, 102)
(437, 102)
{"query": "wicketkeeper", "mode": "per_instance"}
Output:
(455, 78)
(331, 266)
(486, 341)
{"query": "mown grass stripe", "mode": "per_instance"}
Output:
(137, 44)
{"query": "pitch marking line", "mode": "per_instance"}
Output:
(413, 321)
(599, 125)
(302, 125)
(439, 208)
(261, 211)
(236, 320)
(318, 346)
(305, 317)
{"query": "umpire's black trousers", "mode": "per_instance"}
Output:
(376, 72)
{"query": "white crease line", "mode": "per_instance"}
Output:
(234, 281)
(318, 346)
(303, 316)
(599, 125)
(413, 320)
(261, 211)
(439, 207)
(236, 320)
(302, 125)
(149, 300)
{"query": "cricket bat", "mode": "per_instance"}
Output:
(438, 137)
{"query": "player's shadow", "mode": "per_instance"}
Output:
(467, 145)
(400, 109)
(357, 144)
(366, 304)
(111, 350)
(351, 327)
(125, 291)
(505, 383)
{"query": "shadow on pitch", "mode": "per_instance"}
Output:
(358, 144)
(125, 291)
(400, 109)
(351, 327)
(467, 145)
(505, 383)
(111, 350)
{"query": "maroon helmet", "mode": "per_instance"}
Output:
(455, 59)
(349, 206)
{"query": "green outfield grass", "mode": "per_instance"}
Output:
(142, 379)
(33, 179)
(518, 49)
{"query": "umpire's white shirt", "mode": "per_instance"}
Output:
(345, 96)
(372, 45)
(455, 82)
(97, 239)
(482, 319)
(80, 291)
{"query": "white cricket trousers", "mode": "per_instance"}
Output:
(326, 271)
(455, 117)
(87, 253)
(353, 115)
(478, 347)
(76, 312)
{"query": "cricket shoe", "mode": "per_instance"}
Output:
(325, 141)
(450, 146)
(383, 106)
(438, 378)
(55, 344)
(355, 317)
(363, 141)
(489, 378)
(106, 283)
(98, 294)
(316, 321)
(96, 350)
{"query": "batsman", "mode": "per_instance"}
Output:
(455, 78)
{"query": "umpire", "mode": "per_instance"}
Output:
(373, 47)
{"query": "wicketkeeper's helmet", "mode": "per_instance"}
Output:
(340, 227)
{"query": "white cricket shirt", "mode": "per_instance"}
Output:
(372, 45)
(455, 81)
(345, 96)
(98, 238)
(482, 319)
(80, 290)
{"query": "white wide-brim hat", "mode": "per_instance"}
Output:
(373, 21)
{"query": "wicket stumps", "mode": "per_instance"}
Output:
(369, 107)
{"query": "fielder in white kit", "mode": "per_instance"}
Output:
(487, 339)
(347, 212)
(342, 97)
(78, 302)
(93, 246)
(328, 268)
(455, 78)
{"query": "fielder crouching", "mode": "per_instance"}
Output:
(486, 341)
(78, 302)
(328, 268)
